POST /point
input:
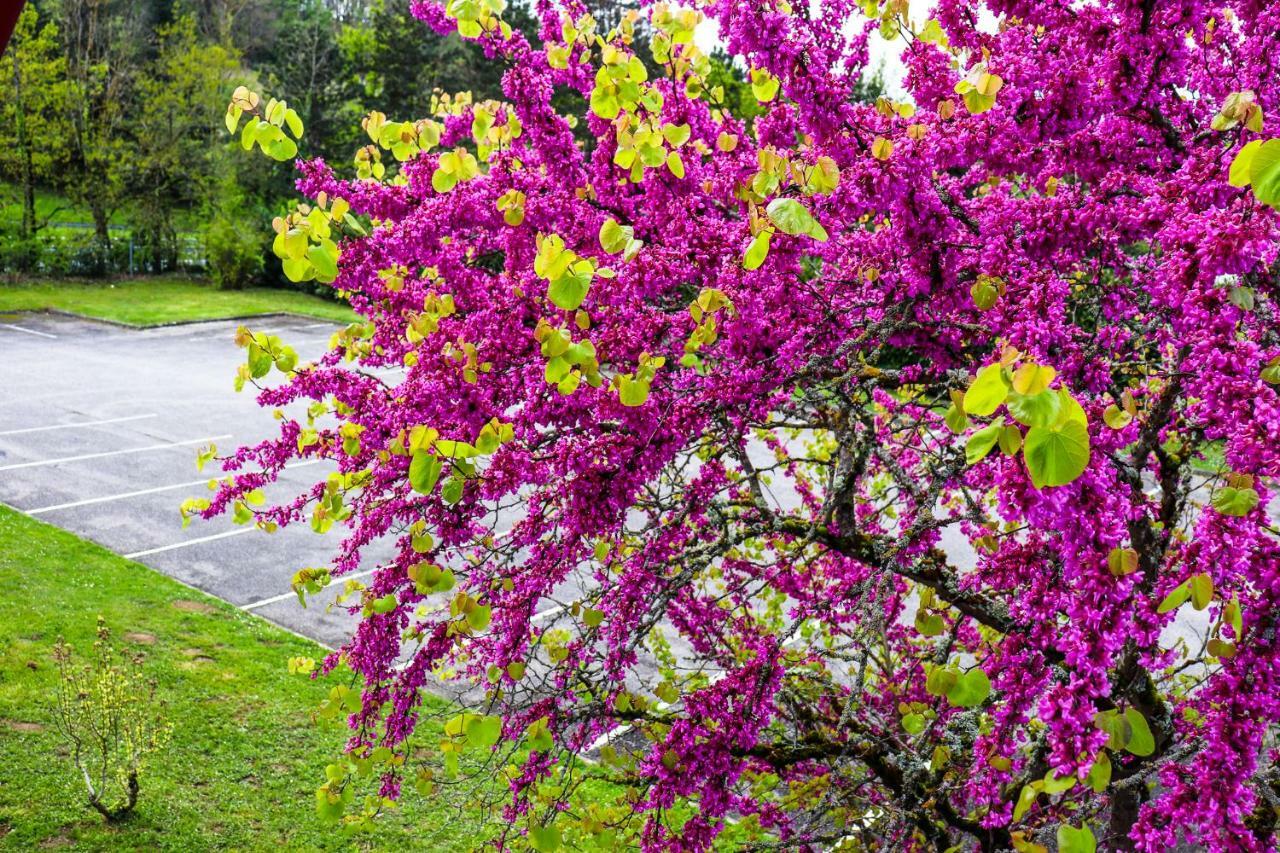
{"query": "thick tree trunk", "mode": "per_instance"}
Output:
(121, 811)
(1125, 805)
(101, 238)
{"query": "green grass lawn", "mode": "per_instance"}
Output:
(51, 207)
(246, 754)
(152, 301)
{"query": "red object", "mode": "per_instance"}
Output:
(9, 11)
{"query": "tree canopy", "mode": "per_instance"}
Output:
(886, 474)
(110, 107)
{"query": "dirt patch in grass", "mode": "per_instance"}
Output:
(196, 657)
(21, 726)
(62, 839)
(188, 606)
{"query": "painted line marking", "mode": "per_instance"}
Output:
(309, 340)
(28, 331)
(272, 600)
(354, 576)
(291, 594)
(216, 334)
(123, 495)
(80, 424)
(84, 456)
(238, 531)
(618, 731)
(547, 614)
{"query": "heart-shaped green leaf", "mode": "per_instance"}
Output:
(970, 689)
(1056, 454)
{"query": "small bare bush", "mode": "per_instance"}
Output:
(108, 713)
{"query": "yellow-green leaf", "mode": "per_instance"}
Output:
(1232, 501)
(758, 250)
(1100, 773)
(1072, 840)
(1201, 590)
(970, 689)
(675, 134)
(763, 85)
(1025, 800)
(675, 164)
(424, 471)
(988, 391)
(1242, 164)
(1141, 742)
(1176, 597)
(614, 237)
(1122, 561)
(1032, 378)
(981, 442)
(792, 217)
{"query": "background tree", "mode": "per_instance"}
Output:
(127, 84)
(102, 43)
(304, 62)
(33, 117)
(179, 158)
(398, 61)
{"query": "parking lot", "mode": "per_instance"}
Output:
(99, 429)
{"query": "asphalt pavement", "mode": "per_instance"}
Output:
(99, 430)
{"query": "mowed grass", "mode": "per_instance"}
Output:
(51, 207)
(246, 753)
(162, 299)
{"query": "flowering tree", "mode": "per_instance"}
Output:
(880, 474)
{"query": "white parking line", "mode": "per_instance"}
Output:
(285, 595)
(622, 729)
(304, 341)
(272, 600)
(79, 424)
(291, 594)
(123, 495)
(547, 614)
(28, 331)
(239, 530)
(321, 326)
(84, 456)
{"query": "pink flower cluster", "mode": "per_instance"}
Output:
(772, 562)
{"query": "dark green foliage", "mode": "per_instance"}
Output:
(235, 258)
(138, 157)
(117, 108)
(738, 98)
